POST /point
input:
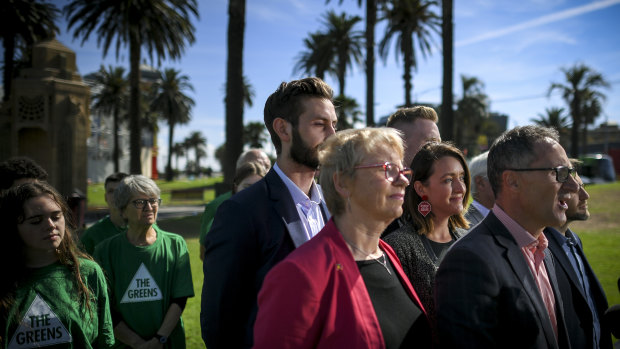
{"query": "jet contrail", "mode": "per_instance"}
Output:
(554, 17)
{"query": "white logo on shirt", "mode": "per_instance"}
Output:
(142, 288)
(40, 327)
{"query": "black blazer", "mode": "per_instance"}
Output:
(577, 315)
(252, 231)
(486, 296)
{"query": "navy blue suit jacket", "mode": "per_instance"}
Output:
(252, 231)
(487, 297)
(577, 312)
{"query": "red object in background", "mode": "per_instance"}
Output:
(154, 173)
(615, 155)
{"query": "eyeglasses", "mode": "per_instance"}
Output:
(140, 203)
(561, 172)
(392, 171)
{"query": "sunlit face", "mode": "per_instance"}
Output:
(445, 188)
(416, 134)
(541, 197)
(315, 124)
(371, 194)
(247, 182)
(145, 216)
(578, 203)
(109, 193)
(43, 227)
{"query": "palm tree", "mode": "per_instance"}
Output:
(554, 117)
(471, 111)
(197, 141)
(592, 109)
(316, 60)
(254, 134)
(447, 111)
(371, 21)
(582, 83)
(346, 43)
(23, 21)
(348, 110)
(173, 105)
(178, 149)
(234, 87)
(162, 27)
(111, 99)
(408, 21)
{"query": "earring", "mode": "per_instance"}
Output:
(424, 207)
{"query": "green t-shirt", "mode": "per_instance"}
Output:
(144, 279)
(47, 312)
(98, 232)
(209, 214)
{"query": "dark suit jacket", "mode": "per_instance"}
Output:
(486, 296)
(252, 231)
(578, 316)
(473, 216)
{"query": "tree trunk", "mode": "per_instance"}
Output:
(9, 53)
(135, 134)
(115, 152)
(584, 139)
(234, 87)
(407, 46)
(169, 173)
(371, 20)
(574, 147)
(447, 112)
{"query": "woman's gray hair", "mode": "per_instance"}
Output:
(133, 185)
(346, 149)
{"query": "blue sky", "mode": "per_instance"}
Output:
(515, 47)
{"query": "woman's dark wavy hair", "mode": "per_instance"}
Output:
(422, 166)
(12, 256)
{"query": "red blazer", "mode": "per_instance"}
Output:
(316, 298)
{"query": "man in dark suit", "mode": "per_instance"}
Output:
(481, 191)
(496, 287)
(261, 225)
(585, 302)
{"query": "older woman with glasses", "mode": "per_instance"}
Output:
(148, 270)
(434, 215)
(345, 288)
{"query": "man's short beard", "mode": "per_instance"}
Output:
(577, 216)
(301, 153)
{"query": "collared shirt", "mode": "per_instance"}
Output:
(485, 211)
(308, 208)
(533, 250)
(569, 245)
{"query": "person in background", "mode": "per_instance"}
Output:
(250, 155)
(496, 287)
(20, 170)
(248, 174)
(481, 191)
(51, 293)
(258, 227)
(345, 288)
(148, 270)
(585, 302)
(111, 224)
(418, 126)
(433, 216)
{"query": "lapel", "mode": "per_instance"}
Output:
(598, 293)
(555, 245)
(285, 207)
(520, 268)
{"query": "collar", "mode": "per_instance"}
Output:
(521, 236)
(299, 197)
(483, 210)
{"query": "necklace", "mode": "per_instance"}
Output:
(383, 263)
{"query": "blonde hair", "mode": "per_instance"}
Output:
(346, 149)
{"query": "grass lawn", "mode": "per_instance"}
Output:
(600, 236)
(96, 191)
